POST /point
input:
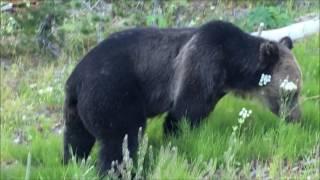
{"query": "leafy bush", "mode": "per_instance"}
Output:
(272, 17)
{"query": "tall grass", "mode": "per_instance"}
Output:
(31, 119)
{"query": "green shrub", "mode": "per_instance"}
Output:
(272, 17)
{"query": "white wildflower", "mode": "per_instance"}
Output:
(288, 85)
(174, 149)
(33, 85)
(192, 23)
(41, 91)
(46, 90)
(241, 120)
(234, 128)
(243, 110)
(264, 79)
(287, 89)
(49, 89)
(18, 140)
(244, 114)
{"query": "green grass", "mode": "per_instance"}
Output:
(32, 99)
(31, 107)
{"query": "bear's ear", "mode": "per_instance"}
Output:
(269, 51)
(287, 41)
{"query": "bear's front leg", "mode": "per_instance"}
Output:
(198, 83)
(170, 125)
(194, 117)
(193, 108)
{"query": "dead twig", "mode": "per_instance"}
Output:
(311, 98)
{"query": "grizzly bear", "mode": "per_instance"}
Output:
(142, 72)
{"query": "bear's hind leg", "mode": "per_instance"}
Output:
(125, 120)
(112, 150)
(112, 144)
(111, 107)
(76, 136)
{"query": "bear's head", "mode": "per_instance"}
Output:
(280, 89)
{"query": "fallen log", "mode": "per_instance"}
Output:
(18, 5)
(295, 31)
